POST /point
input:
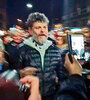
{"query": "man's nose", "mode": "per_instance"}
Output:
(42, 30)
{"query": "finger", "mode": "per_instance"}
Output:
(30, 69)
(26, 79)
(67, 58)
(76, 61)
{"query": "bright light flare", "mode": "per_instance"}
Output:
(19, 20)
(29, 5)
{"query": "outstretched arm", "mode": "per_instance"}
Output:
(34, 87)
(72, 88)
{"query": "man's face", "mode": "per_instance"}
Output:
(40, 32)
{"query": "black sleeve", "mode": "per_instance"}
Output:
(24, 58)
(73, 88)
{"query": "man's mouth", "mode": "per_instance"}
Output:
(42, 35)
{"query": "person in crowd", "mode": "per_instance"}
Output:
(1, 42)
(86, 63)
(75, 74)
(4, 61)
(14, 46)
(61, 39)
(22, 31)
(42, 54)
(86, 31)
(72, 89)
(86, 66)
(61, 42)
(6, 38)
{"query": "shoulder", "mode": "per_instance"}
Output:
(53, 46)
(25, 47)
(54, 50)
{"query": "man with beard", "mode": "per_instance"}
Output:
(43, 55)
(73, 88)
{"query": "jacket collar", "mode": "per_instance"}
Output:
(30, 42)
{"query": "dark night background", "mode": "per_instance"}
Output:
(17, 9)
(71, 13)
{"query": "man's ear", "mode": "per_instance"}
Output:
(30, 31)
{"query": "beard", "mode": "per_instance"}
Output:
(40, 39)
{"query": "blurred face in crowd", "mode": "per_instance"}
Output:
(59, 40)
(17, 37)
(40, 32)
(7, 39)
(86, 31)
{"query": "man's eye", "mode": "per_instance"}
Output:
(45, 27)
(37, 27)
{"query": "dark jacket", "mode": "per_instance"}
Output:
(53, 66)
(14, 52)
(73, 88)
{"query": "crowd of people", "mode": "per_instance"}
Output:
(42, 61)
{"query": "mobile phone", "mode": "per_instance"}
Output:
(77, 44)
(69, 47)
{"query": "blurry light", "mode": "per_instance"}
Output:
(1, 33)
(29, 5)
(58, 25)
(19, 20)
(56, 18)
(75, 30)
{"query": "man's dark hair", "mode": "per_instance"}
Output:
(36, 16)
